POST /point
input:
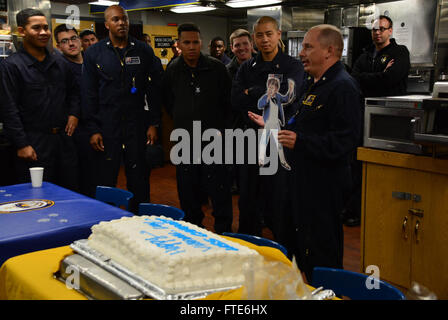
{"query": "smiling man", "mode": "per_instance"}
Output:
(242, 47)
(40, 104)
(119, 71)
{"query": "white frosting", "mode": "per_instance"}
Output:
(174, 255)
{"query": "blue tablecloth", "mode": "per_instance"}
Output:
(58, 224)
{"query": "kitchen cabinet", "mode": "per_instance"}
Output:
(404, 222)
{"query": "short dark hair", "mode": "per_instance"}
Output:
(217, 38)
(388, 19)
(63, 28)
(23, 15)
(86, 32)
(184, 27)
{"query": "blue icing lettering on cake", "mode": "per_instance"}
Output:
(190, 241)
(164, 242)
(182, 227)
(155, 224)
(174, 255)
(212, 241)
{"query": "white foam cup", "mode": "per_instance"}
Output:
(37, 174)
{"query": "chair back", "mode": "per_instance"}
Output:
(356, 286)
(257, 240)
(154, 209)
(115, 196)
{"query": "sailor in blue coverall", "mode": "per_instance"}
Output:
(247, 88)
(116, 80)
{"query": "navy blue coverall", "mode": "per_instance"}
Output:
(37, 99)
(115, 82)
(328, 126)
(82, 138)
(252, 75)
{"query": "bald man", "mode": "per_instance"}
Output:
(119, 71)
(322, 136)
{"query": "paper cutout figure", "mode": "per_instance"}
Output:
(272, 104)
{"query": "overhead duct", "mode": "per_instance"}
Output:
(280, 13)
(305, 18)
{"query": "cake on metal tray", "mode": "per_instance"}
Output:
(176, 256)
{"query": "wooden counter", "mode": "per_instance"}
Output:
(404, 222)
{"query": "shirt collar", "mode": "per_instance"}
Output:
(329, 74)
(131, 42)
(30, 60)
(202, 62)
(259, 57)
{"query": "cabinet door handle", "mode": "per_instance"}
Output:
(416, 212)
(404, 227)
(401, 195)
(417, 229)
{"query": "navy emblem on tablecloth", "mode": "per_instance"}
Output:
(25, 205)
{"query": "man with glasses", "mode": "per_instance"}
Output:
(383, 68)
(40, 105)
(69, 43)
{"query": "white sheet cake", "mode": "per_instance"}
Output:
(177, 256)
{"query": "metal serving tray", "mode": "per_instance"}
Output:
(147, 288)
(94, 282)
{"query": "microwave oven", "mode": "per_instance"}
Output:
(390, 123)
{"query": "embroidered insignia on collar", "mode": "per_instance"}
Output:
(309, 100)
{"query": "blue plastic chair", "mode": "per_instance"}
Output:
(353, 285)
(257, 240)
(115, 196)
(153, 209)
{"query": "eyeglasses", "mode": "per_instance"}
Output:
(65, 41)
(381, 29)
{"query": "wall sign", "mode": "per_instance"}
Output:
(162, 42)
